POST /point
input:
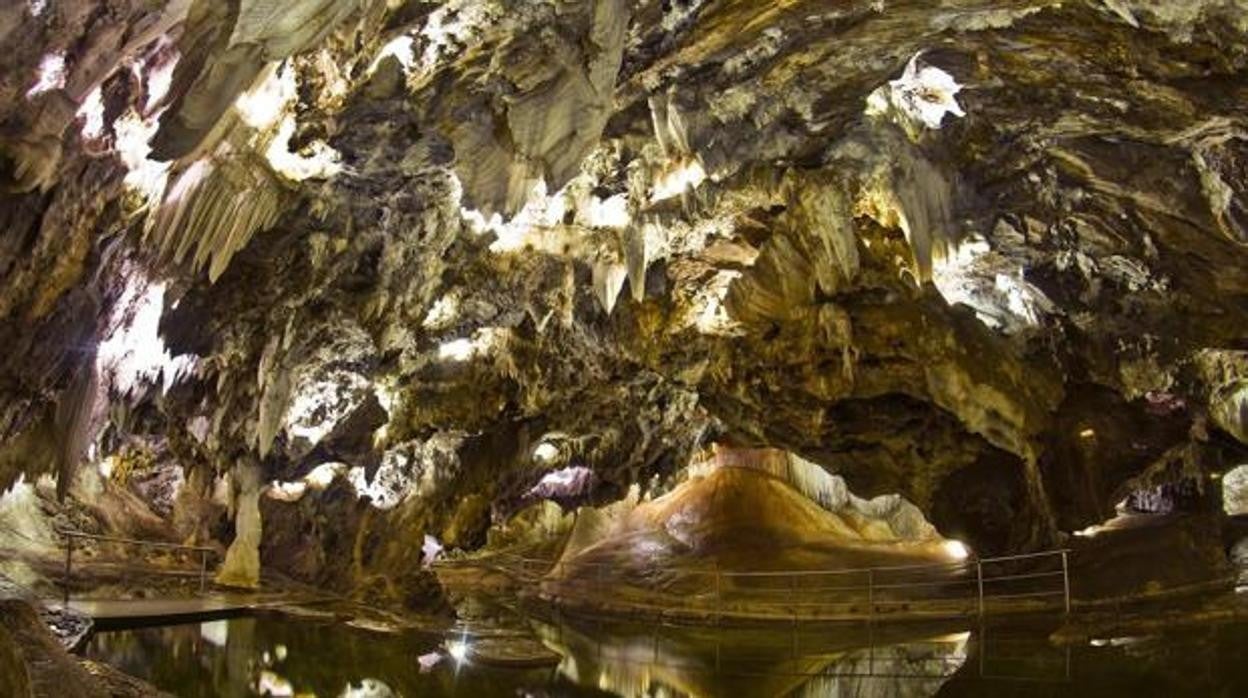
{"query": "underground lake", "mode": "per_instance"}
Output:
(279, 655)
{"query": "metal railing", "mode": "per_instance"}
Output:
(1032, 581)
(70, 535)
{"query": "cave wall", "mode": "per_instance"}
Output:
(429, 239)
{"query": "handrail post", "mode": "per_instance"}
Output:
(1066, 582)
(69, 553)
(793, 595)
(719, 597)
(979, 576)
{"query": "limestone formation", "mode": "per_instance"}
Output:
(241, 567)
(988, 257)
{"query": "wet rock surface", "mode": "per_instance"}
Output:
(513, 652)
(68, 626)
(36, 664)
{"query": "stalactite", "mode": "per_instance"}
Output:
(608, 280)
(78, 420)
(636, 256)
(214, 209)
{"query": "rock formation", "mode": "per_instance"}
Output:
(989, 256)
(241, 567)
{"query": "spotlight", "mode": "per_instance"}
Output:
(458, 649)
(546, 452)
(957, 549)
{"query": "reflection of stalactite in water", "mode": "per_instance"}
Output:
(638, 660)
(239, 660)
(917, 670)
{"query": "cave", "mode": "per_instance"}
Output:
(623, 347)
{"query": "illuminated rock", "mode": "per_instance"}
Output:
(241, 567)
(982, 265)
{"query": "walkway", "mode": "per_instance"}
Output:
(1014, 584)
(176, 608)
(118, 612)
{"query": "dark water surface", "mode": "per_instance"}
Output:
(299, 656)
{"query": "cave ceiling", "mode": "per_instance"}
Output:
(459, 244)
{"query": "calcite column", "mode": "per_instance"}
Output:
(242, 561)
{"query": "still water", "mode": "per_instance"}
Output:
(282, 655)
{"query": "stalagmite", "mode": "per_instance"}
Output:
(241, 567)
(931, 282)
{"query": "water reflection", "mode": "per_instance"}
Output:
(280, 655)
(651, 660)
